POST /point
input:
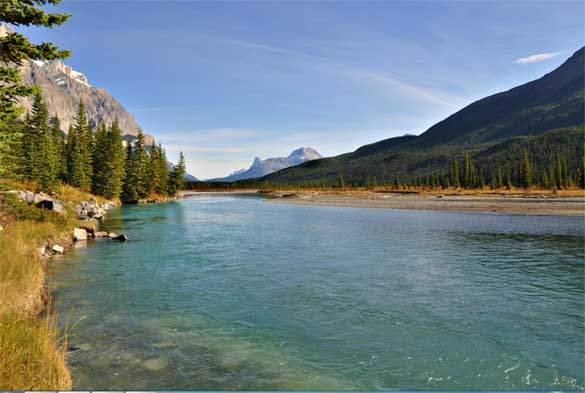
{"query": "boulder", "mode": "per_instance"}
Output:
(42, 251)
(89, 228)
(112, 235)
(100, 234)
(79, 234)
(90, 209)
(58, 249)
(50, 204)
(120, 238)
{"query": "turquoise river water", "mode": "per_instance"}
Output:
(233, 292)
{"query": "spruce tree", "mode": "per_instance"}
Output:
(177, 176)
(140, 167)
(455, 174)
(163, 174)
(14, 49)
(39, 151)
(76, 151)
(101, 169)
(60, 149)
(115, 162)
(525, 171)
(129, 194)
(581, 173)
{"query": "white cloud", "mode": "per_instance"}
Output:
(383, 80)
(537, 57)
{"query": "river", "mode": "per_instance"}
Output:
(233, 292)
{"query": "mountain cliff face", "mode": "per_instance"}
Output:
(63, 88)
(519, 116)
(264, 167)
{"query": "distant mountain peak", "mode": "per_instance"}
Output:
(261, 167)
(305, 152)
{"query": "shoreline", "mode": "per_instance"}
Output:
(465, 203)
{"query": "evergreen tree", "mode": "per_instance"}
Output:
(77, 151)
(163, 175)
(508, 176)
(129, 194)
(115, 162)
(60, 149)
(525, 172)
(455, 175)
(14, 49)
(136, 183)
(177, 176)
(39, 151)
(581, 172)
(101, 169)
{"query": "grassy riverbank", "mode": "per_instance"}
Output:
(32, 348)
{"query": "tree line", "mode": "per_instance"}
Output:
(93, 159)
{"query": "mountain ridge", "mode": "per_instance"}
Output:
(554, 101)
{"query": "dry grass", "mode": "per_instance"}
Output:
(32, 348)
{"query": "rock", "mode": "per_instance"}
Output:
(100, 234)
(79, 234)
(158, 364)
(89, 228)
(42, 251)
(58, 249)
(90, 209)
(112, 235)
(50, 204)
(120, 238)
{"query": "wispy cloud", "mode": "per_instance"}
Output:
(383, 80)
(537, 57)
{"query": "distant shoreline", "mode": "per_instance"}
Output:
(483, 203)
(565, 203)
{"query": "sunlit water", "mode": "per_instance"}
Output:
(237, 293)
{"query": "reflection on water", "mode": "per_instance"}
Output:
(236, 293)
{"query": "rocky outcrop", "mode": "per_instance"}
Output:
(40, 199)
(91, 209)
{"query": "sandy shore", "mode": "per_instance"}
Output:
(517, 204)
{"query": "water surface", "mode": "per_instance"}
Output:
(236, 293)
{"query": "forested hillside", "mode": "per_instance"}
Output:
(483, 139)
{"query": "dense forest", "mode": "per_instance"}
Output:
(554, 160)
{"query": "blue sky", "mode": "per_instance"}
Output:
(225, 81)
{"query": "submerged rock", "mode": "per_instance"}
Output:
(158, 364)
(120, 238)
(100, 234)
(112, 235)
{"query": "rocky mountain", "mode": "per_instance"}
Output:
(63, 88)
(264, 167)
(492, 128)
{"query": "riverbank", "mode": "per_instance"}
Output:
(532, 203)
(33, 350)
